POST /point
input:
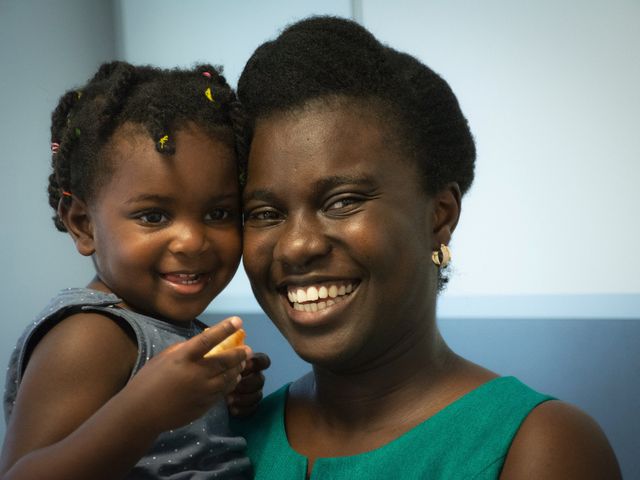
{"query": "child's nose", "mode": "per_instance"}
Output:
(189, 238)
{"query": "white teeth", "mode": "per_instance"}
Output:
(302, 296)
(333, 294)
(312, 294)
(188, 278)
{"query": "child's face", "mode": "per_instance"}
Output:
(166, 230)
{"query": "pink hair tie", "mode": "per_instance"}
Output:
(55, 147)
(66, 194)
(207, 74)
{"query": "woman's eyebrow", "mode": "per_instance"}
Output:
(262, 195)
(320, 186)
(333, 181)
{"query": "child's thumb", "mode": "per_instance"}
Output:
(199, 345)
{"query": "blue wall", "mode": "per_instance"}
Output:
(594, 364)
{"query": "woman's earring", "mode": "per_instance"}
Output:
(441, 257)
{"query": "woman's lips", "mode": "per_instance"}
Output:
(315, 304)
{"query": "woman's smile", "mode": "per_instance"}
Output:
(319, 304)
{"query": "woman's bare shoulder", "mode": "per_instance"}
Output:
(559, 441)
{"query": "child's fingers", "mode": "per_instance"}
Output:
(251, 382)
(226, 370)
(243, 405)
(229, 363)
(199, 345)
(235, 399)
(257, 363)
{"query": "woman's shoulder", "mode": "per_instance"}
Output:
(558, 440)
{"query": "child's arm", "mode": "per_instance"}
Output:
(244, 399)
(74, 419)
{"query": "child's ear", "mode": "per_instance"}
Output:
(446, 212)
(74, 213)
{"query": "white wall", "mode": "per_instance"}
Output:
(552, 92)
(170, 33)
(45, 49)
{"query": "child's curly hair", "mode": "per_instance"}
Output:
(159, 100)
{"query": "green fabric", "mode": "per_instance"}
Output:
(468, 439)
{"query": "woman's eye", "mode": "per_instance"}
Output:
(153, 218)
(262, 215)
(217, 215)
(345, 204)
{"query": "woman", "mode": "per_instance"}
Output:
(359, 158)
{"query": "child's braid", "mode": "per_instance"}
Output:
(60, 178)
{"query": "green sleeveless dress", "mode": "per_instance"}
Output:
(468, 439)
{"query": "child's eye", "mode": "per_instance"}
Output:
(153, 218)
(217, 215)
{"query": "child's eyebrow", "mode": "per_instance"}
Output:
(146, 197)
(156, 198)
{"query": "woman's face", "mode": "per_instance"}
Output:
(337, 239)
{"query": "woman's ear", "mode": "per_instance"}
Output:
(446, 212)
(74, 213)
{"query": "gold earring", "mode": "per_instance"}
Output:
(441, 257)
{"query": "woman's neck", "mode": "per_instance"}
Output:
(375, 396)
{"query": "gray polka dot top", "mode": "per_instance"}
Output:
(203, 449)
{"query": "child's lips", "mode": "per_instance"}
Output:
(187, 283)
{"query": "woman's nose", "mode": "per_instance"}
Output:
(302, 241)
(189, 238)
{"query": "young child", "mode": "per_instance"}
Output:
(113, 380)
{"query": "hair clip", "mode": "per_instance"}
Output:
(55, 147)
(163, 140)
(77, 132)
(206, 74)
(66, 194)
(208, 94)
(79, 94)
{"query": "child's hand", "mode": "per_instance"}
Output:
(244, 400)
(180, 384)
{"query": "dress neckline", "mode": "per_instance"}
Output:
(401, 441)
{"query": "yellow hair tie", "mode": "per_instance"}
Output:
(163, 140)
(207, 93)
